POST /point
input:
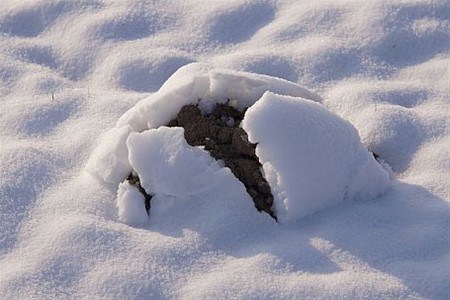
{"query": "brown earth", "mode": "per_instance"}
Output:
(220, 134)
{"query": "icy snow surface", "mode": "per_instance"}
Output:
(78, 75)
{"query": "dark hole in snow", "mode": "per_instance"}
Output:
(376, 156)
(220, 134)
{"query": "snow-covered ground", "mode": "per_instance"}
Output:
(70, 71)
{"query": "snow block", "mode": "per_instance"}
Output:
(109, 162)
(312, 158)
(130, 204)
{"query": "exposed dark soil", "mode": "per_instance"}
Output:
(134, 180)
(220, 134)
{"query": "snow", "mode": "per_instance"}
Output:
(167, 165)
(311, 157)
(198, 81)
(79, 78)
(109, 162)
(130, 204)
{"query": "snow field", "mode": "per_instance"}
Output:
(70, 69)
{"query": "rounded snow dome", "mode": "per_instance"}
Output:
(310, 157)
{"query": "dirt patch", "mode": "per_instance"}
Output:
(220, 134)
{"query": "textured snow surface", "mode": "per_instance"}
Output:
(72, 70)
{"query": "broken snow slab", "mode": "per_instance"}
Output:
(311, 158)
(308, 157)
(220, 134)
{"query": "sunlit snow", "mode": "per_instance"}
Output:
(85, 91)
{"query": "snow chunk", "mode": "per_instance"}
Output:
(167, 165)
(247, 88)
(109, 161)
(312, 158)
(131, 205)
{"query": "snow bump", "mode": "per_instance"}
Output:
(308, 154)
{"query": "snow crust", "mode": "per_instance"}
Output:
(311, 157)
(69, 70)
(167, 165)
(198, 81)
(109, 163)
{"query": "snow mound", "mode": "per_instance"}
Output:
(311, 158)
